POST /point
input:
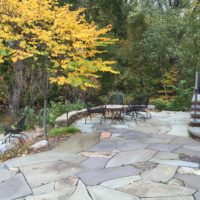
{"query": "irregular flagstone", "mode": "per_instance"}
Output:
(197, 195)
(78, 142)
(80, 193)
(101, 127)
(95, 163)
(103, 146)
(160, 139)
(119, 130)
(166, 156)
(44, 188)
(162, 173)
(133, 135)
(175, 163)
(97, 154)
(66, 182)
(152, 140)
(43, 173)
(144, 166)
(170, 198)
(94, 177)
(163, 147)
(130, 145)
(61, 194)
(150, 189)
(15, 187)
(177, 182)
(5, 174)
(185, 141)
(188, 170)
(191, 181)
(48, 156)
(120, 182)
(116, 135)
(188, 152)
(194, 147)
(99, 192)
(105, 135)
(130, 157)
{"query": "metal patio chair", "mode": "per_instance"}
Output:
(16, 131)
(137, 108)
(117, 99)
(95, 107)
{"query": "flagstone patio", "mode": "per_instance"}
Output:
(126, 164)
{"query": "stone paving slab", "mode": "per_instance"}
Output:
(194, 148)
(171, 198)
(177, 182)
(92, 154)
(176, 163)
(197, 195)
(78, 142)
(48, 156)
(166, 156)
(130, 145)
(191, 181)
(44, 188)
(188, 152)
(133, 135)
(43, 173)
(60, 194)
(95, 163)
(94, 177)
(185, 141)
(162, 173)
(158, 139)
(5, 174)
(144, 166)
(15, 187)
(80, 193)
(103, 146)
(163, 147)
(66, 182)
(130, 157)
(149, 189)
(120, 182)
(99, 192)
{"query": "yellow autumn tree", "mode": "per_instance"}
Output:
(68, 43)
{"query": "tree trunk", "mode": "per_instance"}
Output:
(16, 90)
(45, 118)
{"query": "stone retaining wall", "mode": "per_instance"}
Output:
(72, 116)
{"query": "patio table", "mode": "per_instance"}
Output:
(116, 113)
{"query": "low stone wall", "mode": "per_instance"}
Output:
(77, 114)
(72, 116)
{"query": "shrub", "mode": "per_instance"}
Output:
(57, 109)
(161, 104)
(62, 131)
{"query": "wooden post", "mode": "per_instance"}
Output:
(196, 92)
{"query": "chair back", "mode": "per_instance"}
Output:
(116, 99)
(141, 102)
(21, 124)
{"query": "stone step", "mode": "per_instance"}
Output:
(198, 98)
(195, 115)
(197, 107)
(194, 132)
(195, 122)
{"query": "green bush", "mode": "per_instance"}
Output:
(180, 102)
(2, 129)
(161, 104)
(62, 131)
(57, 109)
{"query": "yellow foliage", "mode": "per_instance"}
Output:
(64, 37)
